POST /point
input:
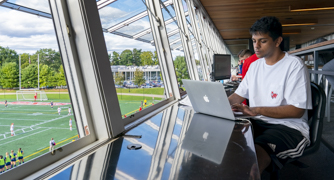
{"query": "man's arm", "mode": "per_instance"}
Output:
(235, 99)
(287, 111)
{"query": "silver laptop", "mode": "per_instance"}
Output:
(208, 137)
(210, 98)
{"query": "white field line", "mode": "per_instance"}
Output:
(34, 112)
(44, 122)
(30, 126)
(51, 110)
(15, 126)
(23, 137)
(18, 130)
(14, 119)
(50, 120)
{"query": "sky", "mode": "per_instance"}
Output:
(26, 33)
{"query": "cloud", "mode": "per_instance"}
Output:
(27, 33)
(41, 5)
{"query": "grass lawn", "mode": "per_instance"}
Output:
(34, 125)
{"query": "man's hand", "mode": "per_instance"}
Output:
(246, 110)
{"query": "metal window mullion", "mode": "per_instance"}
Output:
(205, 39)
(163, 50)
(215, 43)
(186, 41)
(72, 70)
(93, 57)
(192, 16)
(201, 38)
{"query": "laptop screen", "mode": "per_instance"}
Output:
(221, 66)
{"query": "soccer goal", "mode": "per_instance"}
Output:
(30, 95)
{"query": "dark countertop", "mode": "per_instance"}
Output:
(175, 144)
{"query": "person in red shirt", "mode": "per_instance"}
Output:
(247, 63)
(242, 55)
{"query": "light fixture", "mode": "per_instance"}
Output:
(298, 24)
(309, 9)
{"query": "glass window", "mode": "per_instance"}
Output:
(176, 46)
(35, 103)
(133, 59)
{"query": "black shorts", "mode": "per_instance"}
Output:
(280, 142)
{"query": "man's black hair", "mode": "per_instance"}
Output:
(244, 52)
(267, 24)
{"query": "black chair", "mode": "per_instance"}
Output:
(315, 121)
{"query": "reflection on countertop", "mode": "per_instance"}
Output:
(176, 144)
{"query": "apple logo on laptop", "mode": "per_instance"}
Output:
(206, 99)
(205, 135)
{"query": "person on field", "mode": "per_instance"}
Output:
(52, 145)
(70, 124)
(59, 110)
(8, 161)
(13, 158)
(2, 164)
(12, 129)
(20, 156)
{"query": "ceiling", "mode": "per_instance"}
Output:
(233, 18)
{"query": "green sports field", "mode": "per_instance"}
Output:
(35, 125)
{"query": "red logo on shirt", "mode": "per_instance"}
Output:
(273, 95)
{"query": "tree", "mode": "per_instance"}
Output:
(9, 75)
(115, 59)
(8, 55)
(44, 75)
(61, 77)
(126, 58)
(119, 79)
(139, 77)
(49, 57)
(146, 58)
(136, 57)
(29, 76)
(25, 60)
(197, 62)
(155, 58)
(181, 69)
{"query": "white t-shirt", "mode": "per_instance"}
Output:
(69, 110)
(284, 83)
(70, 123)
(58, 109)
(12, 127)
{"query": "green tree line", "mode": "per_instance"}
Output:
(50, 69)
(52, 72)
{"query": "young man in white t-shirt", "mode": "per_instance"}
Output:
(279, 92)
(69, 110)
(59, 110)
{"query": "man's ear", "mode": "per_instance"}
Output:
(279, 41)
